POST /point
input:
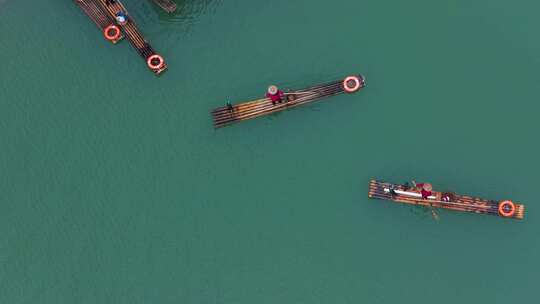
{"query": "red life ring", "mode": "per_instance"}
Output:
(114, 36)
(356, 84)
(507, 208)
(155, 66)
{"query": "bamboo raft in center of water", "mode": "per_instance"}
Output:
(230, 114)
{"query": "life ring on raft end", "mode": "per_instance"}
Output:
(155, 62)
(352, 84)
(108, 35)
(507, 208)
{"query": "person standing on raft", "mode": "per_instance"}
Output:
(274, 94)
(230, 107)
(425, 189)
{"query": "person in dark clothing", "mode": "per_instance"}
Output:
(230, 107)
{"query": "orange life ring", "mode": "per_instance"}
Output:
(355, 87)
(155, 66)
(116, 34)
(507, 208)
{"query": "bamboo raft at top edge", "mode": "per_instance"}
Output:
(96, 14)
(132, 32)
(226, 115)
(382, 190)
(167, 5)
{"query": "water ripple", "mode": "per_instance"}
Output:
(171, 26)
(186, 14)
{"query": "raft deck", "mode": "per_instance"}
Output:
(96, 14)
(227, 115)
(167, 5)
(132, 32)
(401, 194)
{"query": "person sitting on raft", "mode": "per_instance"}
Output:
(425, 189)
(274, 94)
(121, 18)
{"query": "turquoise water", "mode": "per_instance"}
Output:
(115, 188)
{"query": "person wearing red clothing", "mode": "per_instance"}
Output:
(274, 94)
(425, 189)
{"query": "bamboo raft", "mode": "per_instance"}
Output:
(167, 5)
(100, 18)
(402, 194)
(132, 33)
(230, 114)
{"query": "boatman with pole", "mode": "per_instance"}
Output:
(274, 94)
(230, 106)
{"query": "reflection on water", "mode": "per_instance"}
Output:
(155, 22)
(424, 212)
(188, 11)
(186, 14)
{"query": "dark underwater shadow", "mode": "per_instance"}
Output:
(187, 11)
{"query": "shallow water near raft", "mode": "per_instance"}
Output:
(115, 188)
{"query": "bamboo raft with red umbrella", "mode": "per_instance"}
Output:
(230, 114)
(445, 200)
(167, 5)
(104, 22)
(154, 61)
